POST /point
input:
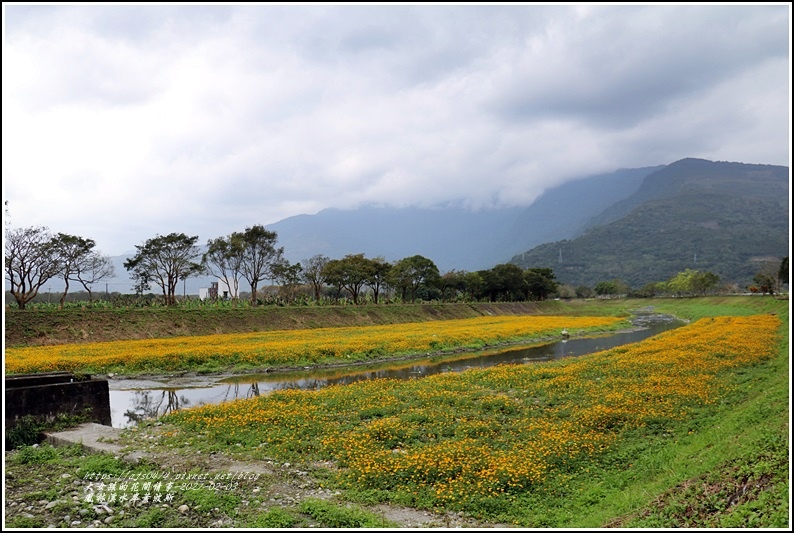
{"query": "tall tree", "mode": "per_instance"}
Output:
(606, 289)
(703, 282)
(451, 283)
(411, 273)
(349, 273)
(224, 259)
(312, 273)
(288, 276)
(504, 282)
(165, 260)
(473, 285)
(259, 255)
(540, 283)
(379, 270)
(80, 262)
(692, 282)
(30, 261)
(333, 274)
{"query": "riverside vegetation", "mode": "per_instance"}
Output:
(686, 429)
(292, 348)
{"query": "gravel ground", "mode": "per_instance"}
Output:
(55, 494)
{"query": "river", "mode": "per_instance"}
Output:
(133, 400)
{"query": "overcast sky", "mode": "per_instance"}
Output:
(123, 122)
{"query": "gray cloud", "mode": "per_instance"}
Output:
(616, 71)
(148, 119)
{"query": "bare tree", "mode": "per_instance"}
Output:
(224, 259)
(80, 262)
(31, 260)
(95, 268)
(768, 279)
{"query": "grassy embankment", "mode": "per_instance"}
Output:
(79, 326)
(290, 349)
(148, 341)
(689, 429)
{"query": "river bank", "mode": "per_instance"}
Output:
(136, 398)
(80, 326)
(187, 379)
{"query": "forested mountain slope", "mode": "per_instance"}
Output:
(726, 218)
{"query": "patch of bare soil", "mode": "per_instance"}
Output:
(277, 484)
(54, 494)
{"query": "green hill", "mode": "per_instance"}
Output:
(726, 218)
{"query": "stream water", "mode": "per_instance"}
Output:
(133, 400)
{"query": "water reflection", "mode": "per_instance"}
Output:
(147, 404)
(132, 401)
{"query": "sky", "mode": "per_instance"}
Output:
(124, 122)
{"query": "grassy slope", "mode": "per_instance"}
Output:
(734, 471)
(36, 328)
(50, 327)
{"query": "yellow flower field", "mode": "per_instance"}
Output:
(287, 348)
(454, 438)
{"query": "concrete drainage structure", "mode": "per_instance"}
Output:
(47, 395)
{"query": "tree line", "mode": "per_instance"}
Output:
(34, 256)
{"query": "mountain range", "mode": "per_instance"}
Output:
(640, 225)
(456, 237)
(720, 217)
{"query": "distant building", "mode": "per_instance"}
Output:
(218, 289)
